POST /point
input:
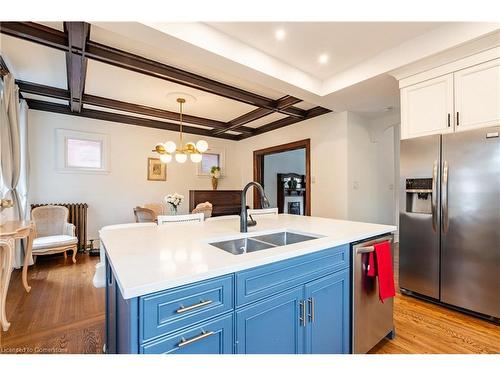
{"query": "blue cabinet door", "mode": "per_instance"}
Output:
(328, 311)
(271, 326)
(212, 337)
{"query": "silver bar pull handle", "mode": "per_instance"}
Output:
(192, 340)
(311, 309)
(434, 195)
(302, 317)
(183, 309)
(444, 197)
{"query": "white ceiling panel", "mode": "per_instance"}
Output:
(33, 62)
(345, 43)
(45, 98)
(55, 25)
(304, 105)
(116, 83)
(266, 120)
(170, 57)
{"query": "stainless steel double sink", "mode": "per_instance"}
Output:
(261, 242)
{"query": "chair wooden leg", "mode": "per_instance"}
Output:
(27, 256)
(34, 259)
(74, 254)
(65, 255)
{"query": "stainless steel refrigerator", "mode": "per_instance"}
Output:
(450, 219)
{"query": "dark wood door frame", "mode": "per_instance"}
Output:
(258, 167)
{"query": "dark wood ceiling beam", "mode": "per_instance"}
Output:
(311, 113)
(238, 122)
(37, 33)
(119, 118)
(57, 39)
(280, 104)
(76, 63)
(42, 90)
(287, 101)
(54, 92)
(155, 112)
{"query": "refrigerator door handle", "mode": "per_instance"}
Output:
(444, 197)
(434, 195)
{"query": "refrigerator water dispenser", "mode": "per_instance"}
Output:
(419, 195)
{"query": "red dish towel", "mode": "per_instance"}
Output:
(380, 264)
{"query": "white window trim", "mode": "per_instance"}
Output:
(61, 151)
(222, 163)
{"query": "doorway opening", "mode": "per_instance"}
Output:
(285, 173)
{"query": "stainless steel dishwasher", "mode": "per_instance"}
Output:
(372, 319)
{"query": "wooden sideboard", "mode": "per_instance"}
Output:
(224, 202)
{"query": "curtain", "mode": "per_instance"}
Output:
(14, 154)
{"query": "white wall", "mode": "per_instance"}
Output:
(373, 168)
(344, 148)
(111, 197)
(362, 172)
(328, 134)
(284, 162)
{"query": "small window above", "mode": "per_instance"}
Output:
(208, 161)
(211, 158)
(82, 152)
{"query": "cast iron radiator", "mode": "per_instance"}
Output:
(77, 216)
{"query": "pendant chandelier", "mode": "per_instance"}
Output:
(169, 149)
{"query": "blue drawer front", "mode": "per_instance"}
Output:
(212, 337)
(170, 310)
(264, 281)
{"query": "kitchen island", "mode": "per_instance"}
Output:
(169, 290)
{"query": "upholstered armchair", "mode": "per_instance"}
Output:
(53, 233)
(144, 215)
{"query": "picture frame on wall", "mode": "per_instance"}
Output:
(213, 157)
(157, 171)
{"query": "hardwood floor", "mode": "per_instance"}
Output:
(425, 328)
(64, 313)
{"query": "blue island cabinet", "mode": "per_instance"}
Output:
(299, 305)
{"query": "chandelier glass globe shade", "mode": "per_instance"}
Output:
(170, 147)
(196, 158)
(202, 145)
(165, 158)
(180, 157)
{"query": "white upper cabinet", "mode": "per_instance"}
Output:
(427, 107)
(461, 95)
(477, 96)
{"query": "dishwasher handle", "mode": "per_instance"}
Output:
(370, 249)
(365, 250)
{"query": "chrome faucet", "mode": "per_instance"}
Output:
(264, 202)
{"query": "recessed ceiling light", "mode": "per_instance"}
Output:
(323, 58)
(280, 34)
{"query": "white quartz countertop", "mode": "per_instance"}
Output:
(150, 259)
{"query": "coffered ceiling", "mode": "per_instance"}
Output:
(66, 68)
(244, 80)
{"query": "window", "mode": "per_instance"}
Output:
(82, 152)
(208, 161)
(213, 157)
